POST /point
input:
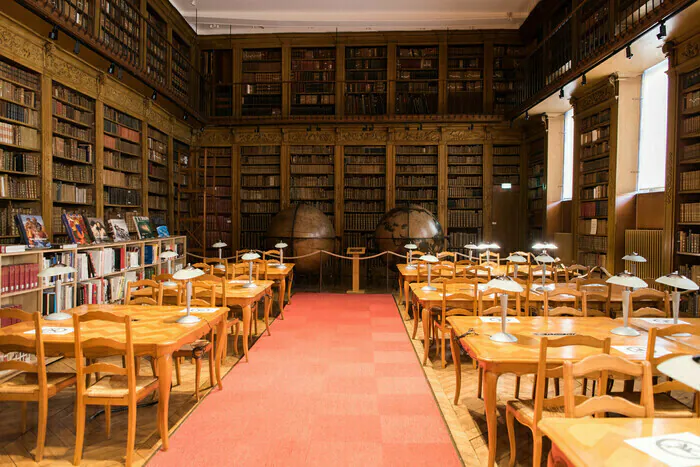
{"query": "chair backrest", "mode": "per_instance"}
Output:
(202, 295)
(563, 296)
(461, 297)
(523, 270)
(525, 254)
(670, 385)
(25, 343)
(240, 269)
(102, 347)
(597, 293)
(214, 262)
(207, 268)
(546, 370)
(536, 272)
(438, 272)
(143, 292)
(462, 264)
(650, 298)
(496, 309)
(271, 254)
(598, 272)
(260, 265)
(489, 256)
(478, 271)
(574, 271)
(603, 366)
(162, 277)
(450, 256)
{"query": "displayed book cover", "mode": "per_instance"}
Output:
(120, 232)
(98, 230)
(76, 228)
(143, 227)
(162, 231)
(33, 230)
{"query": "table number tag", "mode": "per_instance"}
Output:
(199, 310)
(662, 321)
(52, 331)
(675, 450)
(497, 319)
(553, 334)
(639, 350)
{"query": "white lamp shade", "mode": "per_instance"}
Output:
(471, 246)
(635, 258)
(281, 245)
(187, 273)
(626, 279)
(411, 246)
(684, 369)
(544, 259)
(504, 283)
(482, 246)
(516, 259)
(250, 256)
(493, 246)
(168, 254)
(219, 244)
(544, 246)
(56, 270)
(678, 281)
(429, 258)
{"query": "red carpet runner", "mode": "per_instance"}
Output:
(337, 383)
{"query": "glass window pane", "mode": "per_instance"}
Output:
(567, 188)
(652, 128)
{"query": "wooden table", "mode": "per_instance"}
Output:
(601, 441)
(154, 332)
(521, 357)
(284, 277)
(646, 325)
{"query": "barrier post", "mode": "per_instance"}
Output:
(356, 252)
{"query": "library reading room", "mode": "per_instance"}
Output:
(350, 233)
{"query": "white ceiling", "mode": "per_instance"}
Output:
(280, 16)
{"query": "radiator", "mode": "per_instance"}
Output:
(648, 243)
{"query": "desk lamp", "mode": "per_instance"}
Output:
(250, 257)
(187, 274)
(430, 259)
(471, 247)
(281, 246)
(677, 281)
(219, 246)
(628, 281)
(508, 284)
(57, 271)
(634, 258)
(410, 247)
(516, 259)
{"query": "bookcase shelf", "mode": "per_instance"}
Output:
(260, 192)
(180, 66)
(156, 47)
(464, 194)
(120, 28)
(158, 177)
(122, 150)
(313, 81)
(182, 185)
(215, 185)
(417, 80)
(79, 12)
(365, 194)
(536, 147)
(465, 79)
(262, 82)
(505, 77)
(217, 67)
(20, 153)
(417, 176)
(365, 80)
(506, 164)
(312, 177)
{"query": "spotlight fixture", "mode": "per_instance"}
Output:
(628, 52)
(201, 130)
(406, 128)
(154, 96)
(583, 80)
(308, 128)
(76, 47)
(111, 68)
(318, 128)
(527, 115)
(53, 35)
(471, 127)
(185, 117)
(257, 129)
(120, 73)
(561, 93)
(662, 31)
(420, 127)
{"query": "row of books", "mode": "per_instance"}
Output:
(254, 195)
(688, 242)
(595, 150)
(122, 180)
(691, 152)
(74, 173)
(310, 194)
(602, 163)
(26, 78)
(506, 169)
(122, 196)
(19, 162)
(8, 226)
(313, 99)
(122, 131)
(691, 100)
(690, 181)
(115, 161)
(369, 169)
(689, 212)
(416, 103)
(465, 169)
(593, 226)
(18, 94)
(158, 203)
(601, 117)
(364, 194)
(465, 219)
(125, 147)
(19, 135)
(594, 209)
(66, 192)
(74, 98)
(72, 149)
(260, 180)
(464, 199)
(457, 239)
(416, 194)
(592, 259)
(691, 124)
(471, 182)
(157, 171)
(597, 192)
(312, 169)
(536, 193)
(257, 222)
(364, 182)
(24, 188)
(367, 222)
(593, 242)
(374, 104)
(218, 222)
(597, 177)
(161, 188)
(595, 134)
(503, 179)
(17, 277)
(416, 181)
(364, 206)
(122, 119)
(321, 180)
(49, 304)
(67, 129)
(19, 113)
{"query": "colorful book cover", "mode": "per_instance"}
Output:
(162, 231)
(143, 227)
(98, 229)
(76, 228)
(33, 230)
(120, 232)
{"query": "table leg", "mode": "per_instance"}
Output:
(457, 359)
(400, 289)
(406, 290)
(490, 383)
(425, 316)
(220, 349)
(283, 287)
(289, 288)
(165, 369)
(246, 330)
(266, 312)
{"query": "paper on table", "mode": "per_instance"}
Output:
(199, 310)
(662, 321)
(497, 319)
(674, 450)
(54, 331)
(639, 350)
(238, 281)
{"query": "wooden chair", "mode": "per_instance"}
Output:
(489, 256)
(202, 288)
(120, 387)
(213, 262)
(597, 295)
(577, 406)
(654, 303)
(575, 271)
(530, 412)
(197, 349)
(207, 268)
(462, 265)
(523, 269)
(474, 271)
(560, 296)
(34, 383)
(495, 309)
(666, 406)
(597, 272)
(147, 292)
(170, 294)
(535, 273)
(450, 256)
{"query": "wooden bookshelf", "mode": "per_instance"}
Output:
(366, 80)
(158, 176)
(217, 67)
(180, 67)
(594, 29)
(123, 167)
(182, 185)
(79, 12)
(465, 194)
(217, 186)
(506, 164)
(465, 79)
(156, 47)
(20, 147)
(417, 80)
(73, 149)
(262, 82)
(260, 192)
(120, 28)
(365, 194)
(505, 80)
(312, 177)
(536, 147)
(313, 81)
(417, 176)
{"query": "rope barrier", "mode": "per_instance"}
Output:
(317, 252)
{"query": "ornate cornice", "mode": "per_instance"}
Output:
(362, 136)
(464, 135)
(606, 91)
(181, 132)
(16, 46)
(216, 138)
(157, 118)
(310, 137)
(68, 73)
(122, 99)
(258, 137)
(432, 136)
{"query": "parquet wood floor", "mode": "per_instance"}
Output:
(16, 449)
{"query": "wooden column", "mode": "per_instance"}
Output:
(488, 187)
(286, 77)
(339, 194)
(442, 183)
(488, 77)
(391, 78)
(339, 80)
(47, 188)
(99, 158)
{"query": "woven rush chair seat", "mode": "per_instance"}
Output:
(117, 386)
(28, 383)
(526, 410)
(665, 406)
(201, 345)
